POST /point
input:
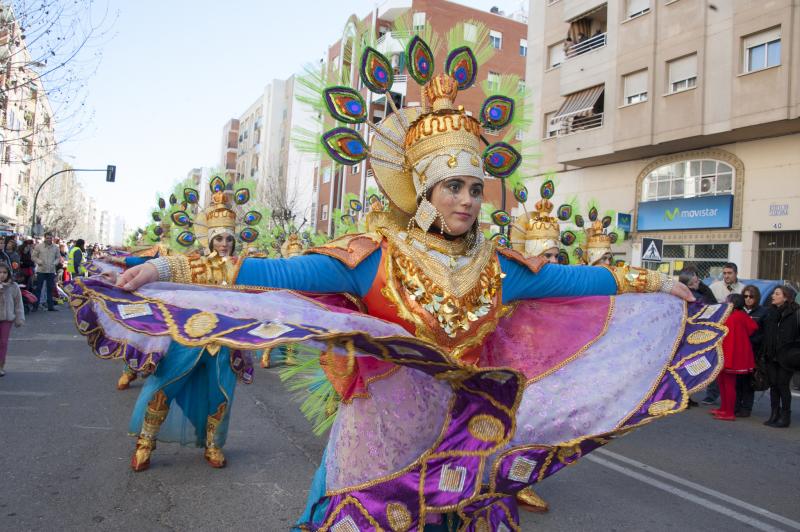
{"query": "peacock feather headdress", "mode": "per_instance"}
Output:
(416, 147)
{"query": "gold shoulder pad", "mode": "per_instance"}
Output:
(534, 264)
(350, 250)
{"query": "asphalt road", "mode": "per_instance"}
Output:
(64, 454)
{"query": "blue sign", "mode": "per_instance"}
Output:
(624, 221)
(707, 212)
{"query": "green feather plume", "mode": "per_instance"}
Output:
(477, 40)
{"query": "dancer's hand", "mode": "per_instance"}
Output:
(682, 291)
(137, 276)
(110, 277)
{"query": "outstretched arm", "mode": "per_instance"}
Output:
(312, 273)
(555, 280)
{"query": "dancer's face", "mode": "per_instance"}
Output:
(223, 245)
(551, 255)
(458, 200)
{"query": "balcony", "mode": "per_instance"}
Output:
(593, 43)
(390, 43)
(561, 127)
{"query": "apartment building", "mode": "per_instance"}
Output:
(27, 137)
(508, 34)
(683, 116)
(229, 149)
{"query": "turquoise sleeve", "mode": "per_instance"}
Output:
(554, 280)
(130, 262)
(311, 273)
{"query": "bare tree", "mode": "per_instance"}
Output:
(48, 51)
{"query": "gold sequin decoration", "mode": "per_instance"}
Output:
(200, 324)
(486, 428)
(398, 516)
(701, 337)
(661, 407)
(452, 162)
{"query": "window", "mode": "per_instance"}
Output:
(762, 50)
(523, 47)
(356, 168)
(470, 32)
(635, 87)
(637, 7)
(550, 128)
(551, 2)
(521, 87)
(418, 20)
(324, 212)
(496, 39)
(326, 174)
(688, 179)
(555, 54)
(494, 80)
(682, 73)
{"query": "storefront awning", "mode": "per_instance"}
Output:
(580, 102)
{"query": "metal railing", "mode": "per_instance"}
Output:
(574, 124)
(592, 43)
(394, 35)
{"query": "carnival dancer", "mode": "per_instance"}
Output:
(595, 248)
(446, 393)
(202, 386)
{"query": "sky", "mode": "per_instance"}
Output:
(174, 72)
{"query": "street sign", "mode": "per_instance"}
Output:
(624, 221)
(652, 249)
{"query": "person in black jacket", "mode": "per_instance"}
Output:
(744, 383)
(781, 334)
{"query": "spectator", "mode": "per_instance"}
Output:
(11, 311)
(701, 292)
(75, 259)
(729, 284)
(738, 359)
(13, 255)
(744, 384)
(781, 338)
(581, 37)
(568, 44)
(46, 256)
(26, 264)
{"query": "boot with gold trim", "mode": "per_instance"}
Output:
(125, 380)
(157, 410)
(528, 500)
(213, 453)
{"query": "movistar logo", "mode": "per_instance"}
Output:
(670, 215)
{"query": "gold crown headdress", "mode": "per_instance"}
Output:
(416, 147)
(599, 238)
(220, 217)
(535, 232)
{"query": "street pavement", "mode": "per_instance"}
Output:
(64, 454)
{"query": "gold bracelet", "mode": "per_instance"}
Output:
(179, 269)
(630, 279)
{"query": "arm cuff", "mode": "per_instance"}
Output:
(630, 279)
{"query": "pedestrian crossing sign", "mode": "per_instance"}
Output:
(652, 249)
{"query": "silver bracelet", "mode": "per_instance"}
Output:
(667, 284)
(162, 267)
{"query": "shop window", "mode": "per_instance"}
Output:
(688, 179)
(779, 256)
(708, 259)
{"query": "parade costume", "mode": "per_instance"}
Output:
(455, 383)
(595, 246)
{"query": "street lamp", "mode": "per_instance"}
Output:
(111, 175)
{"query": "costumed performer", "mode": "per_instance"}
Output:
(453, 398)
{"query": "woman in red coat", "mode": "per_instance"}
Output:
(738, 356)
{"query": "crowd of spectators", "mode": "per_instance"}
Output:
(761, 350)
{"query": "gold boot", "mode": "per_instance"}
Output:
(213, 454)
(528, 500)
(157, 410)
(127, 377)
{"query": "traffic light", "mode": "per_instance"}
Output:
(111, 173)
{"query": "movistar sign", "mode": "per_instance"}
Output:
(707, 212)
